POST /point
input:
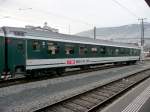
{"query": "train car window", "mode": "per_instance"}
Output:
(116, 51)
(131, 52)
(36, 46)
(135, 52)
(69, 49)
(94, 50)
(102, 50)
(121, 51)
(20, 46)
(110, 51)
(83, 50)
(126, 51)
(52, 48)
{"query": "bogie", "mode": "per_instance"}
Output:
(60, 71)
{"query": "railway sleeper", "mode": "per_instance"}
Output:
(109, 92)
(93, 95)
(100, 94)
(89, 99)
(111, 89)
(74, 107)
(116, 86)
(60, 108)
(103, 95)
(83, 103)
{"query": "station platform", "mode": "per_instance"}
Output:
(136, 100)
(33, 96)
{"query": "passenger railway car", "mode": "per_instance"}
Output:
(36, 51)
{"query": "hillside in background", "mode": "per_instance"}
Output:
(127, 33)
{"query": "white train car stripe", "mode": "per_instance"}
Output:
(49, 63)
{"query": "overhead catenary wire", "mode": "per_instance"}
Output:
(55, 15)
(58, 15)
(126, 9)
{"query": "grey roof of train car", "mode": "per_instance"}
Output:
(55, 35)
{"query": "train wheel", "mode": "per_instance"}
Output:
(37, 73)
(84, 67)
(60, 71)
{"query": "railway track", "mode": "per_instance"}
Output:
(6, 83)
(98, 98)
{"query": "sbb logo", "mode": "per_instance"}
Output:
(71, 62)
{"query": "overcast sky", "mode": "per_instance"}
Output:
(78, 14)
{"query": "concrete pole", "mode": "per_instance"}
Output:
(142, 40)
(94, 32)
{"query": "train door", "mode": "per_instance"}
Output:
(16, 55)
(2, 57)
(20, 52)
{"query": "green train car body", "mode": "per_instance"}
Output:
(30, 50)
(2, 56)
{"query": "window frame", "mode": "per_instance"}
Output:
(54, 47)
(85, 50)
(37, 46)
(72, 48)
